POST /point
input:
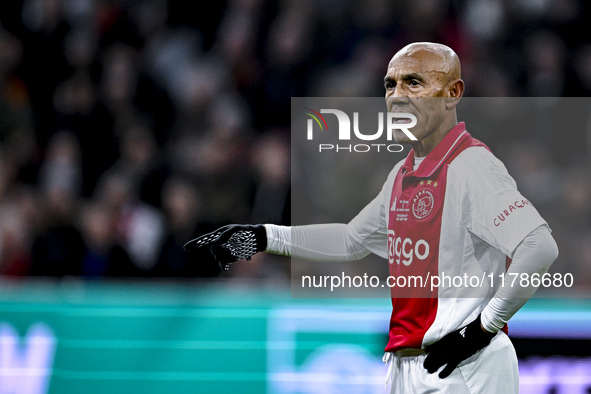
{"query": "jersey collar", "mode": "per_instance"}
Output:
(437, 156)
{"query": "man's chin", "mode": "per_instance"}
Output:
(401, 138)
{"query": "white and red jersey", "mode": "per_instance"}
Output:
(459, 213)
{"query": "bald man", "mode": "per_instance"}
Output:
(424, 70)
(449, 209)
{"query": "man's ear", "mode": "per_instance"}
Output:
(456, 91)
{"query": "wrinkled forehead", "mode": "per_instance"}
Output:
(421, 60)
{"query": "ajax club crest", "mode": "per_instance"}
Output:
(422, 204)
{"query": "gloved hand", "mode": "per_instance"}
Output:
(455, 347)
(232, 243)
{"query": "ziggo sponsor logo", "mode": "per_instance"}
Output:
(400, 250)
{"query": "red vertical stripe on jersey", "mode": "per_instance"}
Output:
(413, 244)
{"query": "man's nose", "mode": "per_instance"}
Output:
(398, 93)
(393, 100)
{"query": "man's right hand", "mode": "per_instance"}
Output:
(231, 243)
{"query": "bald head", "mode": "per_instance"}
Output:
(431, 57)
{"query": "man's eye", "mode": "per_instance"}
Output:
(414, 83)
(389, 85)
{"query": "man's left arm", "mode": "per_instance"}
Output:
(534, 255)
(496, 212)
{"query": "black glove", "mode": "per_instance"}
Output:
(232, 243)
(455, 347)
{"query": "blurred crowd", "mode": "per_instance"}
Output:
(127, 127)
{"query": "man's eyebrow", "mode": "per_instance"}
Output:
(408, 77)
(405, 77)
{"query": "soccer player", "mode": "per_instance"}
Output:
(449, 208)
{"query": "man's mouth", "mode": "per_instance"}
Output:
(402, 120)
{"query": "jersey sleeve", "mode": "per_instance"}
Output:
(491, 206)
(369, 227)
(329, 242)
